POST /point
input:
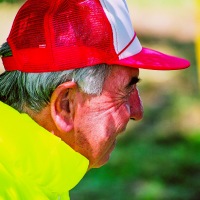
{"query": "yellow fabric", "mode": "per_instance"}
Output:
(35, 164)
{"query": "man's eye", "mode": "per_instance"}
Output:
(133, 82)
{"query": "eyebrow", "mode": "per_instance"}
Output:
(134, 80)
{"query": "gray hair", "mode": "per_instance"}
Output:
(33, 90)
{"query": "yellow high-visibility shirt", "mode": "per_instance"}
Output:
(34, 163)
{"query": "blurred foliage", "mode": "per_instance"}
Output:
(159, 157)
(12, 1)
(160, 3)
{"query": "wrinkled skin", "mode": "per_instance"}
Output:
(98, 120)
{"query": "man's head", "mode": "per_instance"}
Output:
(91, 123)
(73, 67)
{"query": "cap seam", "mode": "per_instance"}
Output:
(132, 40)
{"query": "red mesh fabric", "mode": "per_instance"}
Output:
(54, 35)
(82, 24)
(28, 27)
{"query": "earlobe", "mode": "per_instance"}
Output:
(62, 108)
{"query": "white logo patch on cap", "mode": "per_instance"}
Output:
(123, 32)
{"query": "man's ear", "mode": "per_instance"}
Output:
(62, 108)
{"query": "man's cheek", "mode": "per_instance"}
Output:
(128, 108)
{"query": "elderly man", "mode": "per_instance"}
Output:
(68, 91)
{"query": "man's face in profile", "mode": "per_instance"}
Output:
(99, 119)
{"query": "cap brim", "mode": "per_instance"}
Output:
(154, 60)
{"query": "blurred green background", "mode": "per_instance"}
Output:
(157, 158)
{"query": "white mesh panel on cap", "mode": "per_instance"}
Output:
(123, 32)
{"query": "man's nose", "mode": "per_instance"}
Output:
(136, 108)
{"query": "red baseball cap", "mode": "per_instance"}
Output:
(56, 35)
